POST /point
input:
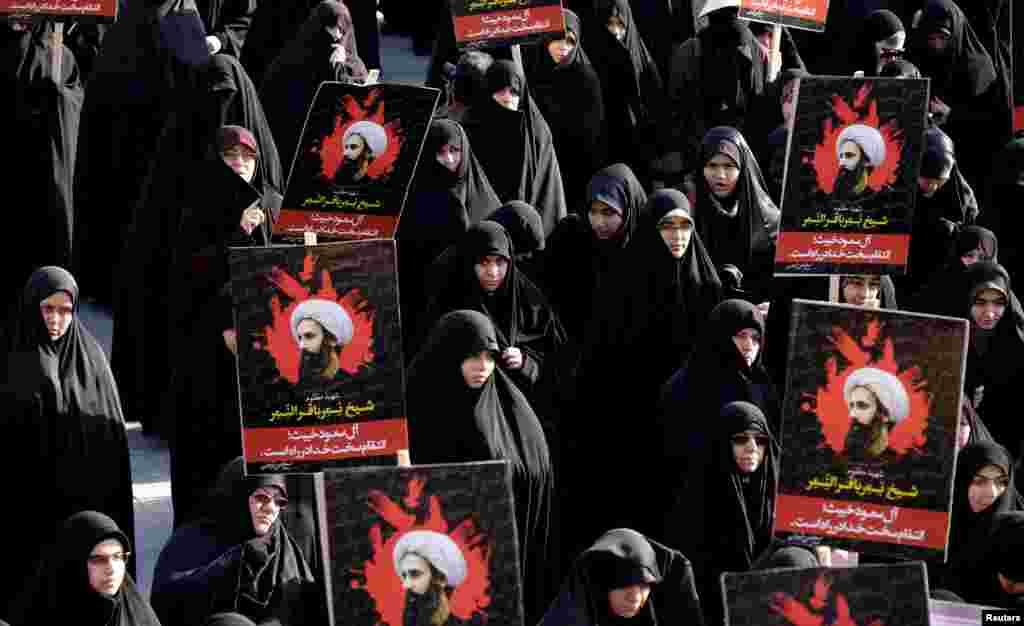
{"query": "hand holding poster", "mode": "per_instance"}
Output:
(356, 158)
(319, 354)
(805, 14)
(869, 595)
(850, 185)
(505, 22)
(869, 428)
(423, 545)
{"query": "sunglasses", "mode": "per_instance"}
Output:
(741, 439)
(263, 500)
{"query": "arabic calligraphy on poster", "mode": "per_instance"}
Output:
(505, 22)
(804, 14)
(101, 10)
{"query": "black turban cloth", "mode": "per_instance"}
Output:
(151, 65)
(442, 205)
(739, 230)
(1002, 553)
(620, 558)
(714, 375)
(520, 312)
(1004, 194)
(732, 525)
(569, 96)
(60, 592)
(937, 219)
(634, 101)
(934, 296)
(64, 419)
(229, 22)
(994, 357)
(501, 425)
(964, 78)
(199, 420)
(576, 262)
(516, 148)
(40, 116)
(143, 352)
(292, 79)
(220, 564)
(969, 530)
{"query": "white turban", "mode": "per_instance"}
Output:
(870, 141)
(437, 549)
(328, 314)
(887, 388)
(374, 135)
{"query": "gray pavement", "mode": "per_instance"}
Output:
(149, 456)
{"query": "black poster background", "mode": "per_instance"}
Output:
(476, 492)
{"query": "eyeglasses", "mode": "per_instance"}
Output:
(263, 500)
(741, 439)
(103, 559)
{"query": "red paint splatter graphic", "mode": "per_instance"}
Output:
(814, 612)
(370, 110)
(280, 342)
(830, 406)
(863, 111)
(382, 582)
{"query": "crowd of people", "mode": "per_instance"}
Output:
(586, 268)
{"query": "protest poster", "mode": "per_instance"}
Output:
(505, 22)
(803, 14)
(80, 10)
(319, 355)
(869, 428)
(850, 183)
(410, 542)
(356, 158)
(869, 595)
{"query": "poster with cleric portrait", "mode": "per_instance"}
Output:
(869, 429)
(319, 355)
(356, 158)
(850, 184)
(433, 544)
(869, 595)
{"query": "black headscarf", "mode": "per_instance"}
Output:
(620, 558)
(900, 68)
(965, 524)
(220, 563)
(577, 262)
(731, 66)
(291, 81)
(64, 412)
(766, 131)
(746, 239)
(228, 619)
(966, 70)
(1002, 553)
(878, 26)
(788, 557)
(634, 102)
(228, 21)
(61, 593)
(950, 278)
(569, 96)
(1003, 194)
(516, 147)
(993, 22)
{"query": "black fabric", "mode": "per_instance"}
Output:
(618, 558)
(61, 593)
(787, 557)
(228, 619)
(767, 134)
(1002, 552)
(228, 21)
(992, 23)
(516, 148)
(935, 296)
(746, 239)
(40, 117)
(878, 26)
(64, 417)
(632, 87)
(1003, 193)
(569, 96)
(292, 79)
(576, 262)
(151, 65)
(220, 564)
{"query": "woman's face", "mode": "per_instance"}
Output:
(748, 450)
(450, 156)
(616, 27)
(789, 97)
(106, 566)
(627, 601)
(888, 50)
(560, 49)
(748, 342)
(491, 271)
(241, 160)
(987, 485)
(265, 505)
(930, 186)
(988, 308)
(605, 220)
(862, 290)
(964, 434)
(508, 98)
(863, 405)
(477, 368)
(675, 229)
(57, 311)
(722, 173)
(972, 257)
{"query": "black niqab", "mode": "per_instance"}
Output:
(877, 27)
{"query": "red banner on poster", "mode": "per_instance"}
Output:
(507, 27)
(305, 444)
(293, 223)
(805, 14)
(103, 10)
(842, 248)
